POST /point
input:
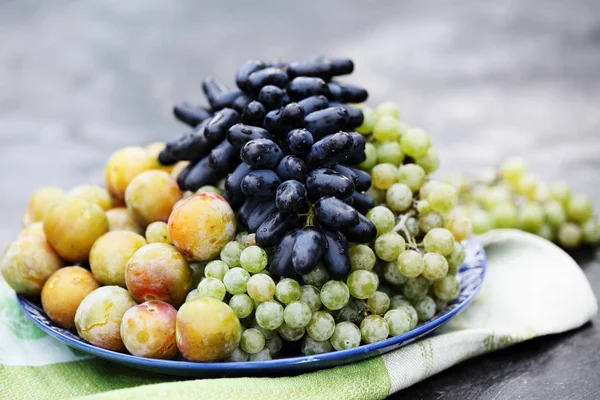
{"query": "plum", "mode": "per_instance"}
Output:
(202, 225)
(151, 196)
(207, 330)
(148, 330)
(72, 226)
(119, 219)
(41, 202)
(94, 194)
(64, 291)
(98, 317)
(27, 263)
(154, 150)
(157, 271)
(110, 253)
(35, 229)
(124, 165)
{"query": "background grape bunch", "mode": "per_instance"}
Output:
(280, 141)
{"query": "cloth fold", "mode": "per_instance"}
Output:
(532, 288)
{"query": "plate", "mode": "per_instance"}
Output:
(470, 276)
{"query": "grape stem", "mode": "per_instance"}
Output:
(401, 226)
(310, 216)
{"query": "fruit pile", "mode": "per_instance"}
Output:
(267, 229)
(513, 197)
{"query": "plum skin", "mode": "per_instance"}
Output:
(41, 202)
(150, 197)
(110, 253)
(119, 219)
(124, 165)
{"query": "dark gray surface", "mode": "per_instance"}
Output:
(487, 79)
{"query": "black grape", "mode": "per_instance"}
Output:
(299, 142)
(363, 183)
(248, 68)
(330, 150)
(281, 265)
(337, 258)
(303, 87)
(190, 146)
(247, 208)
(254, 113)
(342, 66)
(318, 67)
(272, 230)
(357, 154)
(355, 114)
(363, 232)
(191, 114)
(164, 158)
(261, 183)
(334, 214)
(362, 203)
(219, 124)
(291, 197)
(284, 119)
(261, 154)
(260, 214)
(183, 174)
(326, 182)
(234, 201)
(313, 103)
(218, 95)
(272, 97)
(241, 103)
(224, 156)
(327, 121)
(266, 76)
(240, 134)
(234, 180)
(202, 174)
(346, 93)
(309, 247)
(292, 167)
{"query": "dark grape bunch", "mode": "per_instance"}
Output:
(284, 141)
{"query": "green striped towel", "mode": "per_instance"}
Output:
(532, 288)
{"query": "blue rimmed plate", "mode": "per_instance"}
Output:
(470, 276)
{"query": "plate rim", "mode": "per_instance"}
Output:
(240, 366)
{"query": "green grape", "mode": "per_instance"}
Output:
(425, 308)
(240, 237)
(430, 221)
(531, 217)
(290, 334)
(546, 232)
(211, 287)
(423, 207)
(555, 213)
(579, 209)
(495, 195)
(311, 296)
(436, 266)
(249, 240)
(460, 226)
(334, 295)
(591, 232)
(311, 347)
(383, 219)
(387, 129)
(388, 108)
(377, 195)
(238, 355)
(267, 333)
(399, 197)
(317, 277)
(321, 326)
(570, 235)
(440, 305)
(411, 312)
(426, 189)
(542, 192)
(398, 320)
(398, 300)
(370, 157)
(208, 189)
(411, 263)
(439, 240)
(374, 329)
(415, 142)
(379, 303)
(456, 258)
(297, 314)
(362, 257)
(345, 336)
(274, 345)
(447, 288)
(412, 175)
(235, 280)
(392, 275)
(390, 152)
(389, 246)
(442, 198)
(252, 341)
(254, 259)
(231, 252)
(262, 355)
(261, 287)
(505, 215)
(216, 269)
(369, 120)
(430, 162)
(242, 305)
(192, 295)
(481, 221)
(361, 284)
(158, 232)
(415, 288)
(512, 169)
(287, 291)
(383, 176)
(269, 315)
(412, 226)
(560, 192)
